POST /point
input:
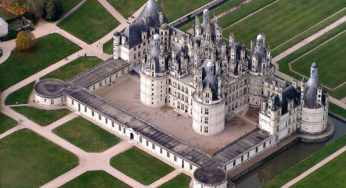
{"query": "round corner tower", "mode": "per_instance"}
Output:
(116, 45)
(153, 72)
(208, 109)
(314, 102)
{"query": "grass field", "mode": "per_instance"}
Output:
(86, 135)
(307, 33)
(176, 9)
(283, 20)
(41, 117)
(304, 165)
(283, 63)
(108, 47)
(215, 11)
(331, 61)
(29, 160)
(180, 181)
(73, 68)
(21, 96)
(331, 174)
(90, 22)
(140, 166)
(127, 7)
(98, 179)
(67, 5)
(337, 109)
(20, 65)
(6, 123)
(242, 12)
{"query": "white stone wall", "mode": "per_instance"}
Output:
(314, 120)
(153, 90)
(58, 101)
(111, 79)
(208, 119)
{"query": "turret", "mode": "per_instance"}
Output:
(205, 17)
(197, 27)
(231, 39)
(116, 45)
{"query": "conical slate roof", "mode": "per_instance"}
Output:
(311, 87)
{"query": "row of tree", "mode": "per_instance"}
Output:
(50, 10)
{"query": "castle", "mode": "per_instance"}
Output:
(202, 77)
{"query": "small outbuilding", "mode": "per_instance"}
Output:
(3, 27)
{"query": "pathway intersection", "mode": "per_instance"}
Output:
(99, 161)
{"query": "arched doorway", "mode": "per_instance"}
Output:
(131, 136)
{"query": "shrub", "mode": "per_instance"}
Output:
(12, 34)
(52, 10)
(30, 16)
(25, 40)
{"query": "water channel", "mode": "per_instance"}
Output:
(286, 159)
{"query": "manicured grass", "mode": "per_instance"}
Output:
(73, 68)
(48, 50)
(178, 8)
(98, 179)
(29, 160)
(304, 165)
(86, 135)
(242, 12)
(331, 174)
(330, 59)
(127, 7)
(337, 110)
(140, 166)
(180, 181)
(90, 22)
(6, 123)
(215, 11)
(108, 47)
(283, 63)
(21, 96)
(283, 20)
(67, 5)
(41, 117)
(308, 33)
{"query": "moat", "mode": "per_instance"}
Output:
(291, 156)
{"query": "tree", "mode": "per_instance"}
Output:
(33, 6)
(14, 6)
(25, 40)
(52, 10)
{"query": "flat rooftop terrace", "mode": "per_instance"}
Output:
(125, 94)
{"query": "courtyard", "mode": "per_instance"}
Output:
(125, 94)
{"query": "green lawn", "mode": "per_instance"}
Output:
(331, 174)
(308, 33)
(21, 95)
(215, 11)
(42, 117)
(6, 123)
(304, 165)
(108, 47)
(73, 68)
(67, 5)
(283, 63)
(330, 59)
(140, 166)
(86, 135)
(90, 22)
(178, 8)
(242, 12)
(127, 7)
(337, 110)
(283, 20)
(29, 160)
(48, 50)
(98, 179)
(180, 181)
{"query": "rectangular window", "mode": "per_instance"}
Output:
(52, 101)
(72, 102)
(167, 154)
(99, 117)
(190, 166)
(206, 120)
(206, 111)
(92, 113)
(175, 158)
(161, 150)
(85, 109)
(112, 124)
(147, 143)
(153, 146)
(206, 129)
(140, 139)
(106, 120)
(234, 163)
(119, 128)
